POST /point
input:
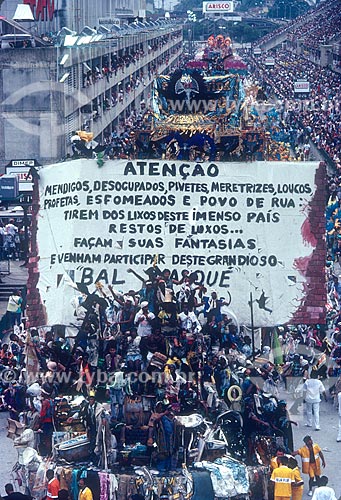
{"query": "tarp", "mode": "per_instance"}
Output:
(188, 92)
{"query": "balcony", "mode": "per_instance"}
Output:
(109, 116)
(77, 98)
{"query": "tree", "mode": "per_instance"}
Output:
(185, 5)
(288, 9)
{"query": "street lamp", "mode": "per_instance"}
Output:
(267, 144)
(64, 77)
(64, 59)
(281, 7)
(191, 16)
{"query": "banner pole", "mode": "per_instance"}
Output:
(252, 328)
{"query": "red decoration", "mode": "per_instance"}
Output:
(41, 9)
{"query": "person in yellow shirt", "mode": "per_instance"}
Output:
(312, 456)
(274, 462)
(298, 485)
(283, 477)
(84, 491)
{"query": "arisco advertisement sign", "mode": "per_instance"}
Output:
(25, 180)
(242, 228)
(212, 7)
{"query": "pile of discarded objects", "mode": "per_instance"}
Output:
(203, 467)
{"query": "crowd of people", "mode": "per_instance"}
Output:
(11, 241)
(123, 90)
(315, 117)
(314, 28)
(139, 361)
(123, 61)
(320, 27)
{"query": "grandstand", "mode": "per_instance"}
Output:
(306, 49)
(316, 34)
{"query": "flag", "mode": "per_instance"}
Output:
(276, 348)
(32, 362)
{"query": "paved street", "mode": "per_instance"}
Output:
(326, 438)
(18, 275)
(8, 455)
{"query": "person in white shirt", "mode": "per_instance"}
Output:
(115, 387)
(189, 321)
(11, 229)
(324, 492)
(312, 390)
(143, 320)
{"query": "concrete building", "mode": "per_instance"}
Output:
(52, 15)
(48, 92)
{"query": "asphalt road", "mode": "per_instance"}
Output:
(326, 439)
(8, 455)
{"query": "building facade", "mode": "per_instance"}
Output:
(47, 93)
(52, 15)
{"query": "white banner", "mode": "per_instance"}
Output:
(301, 87)
(212, 7)
(241, 227)
(269, 61)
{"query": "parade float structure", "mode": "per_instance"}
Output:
(230, 223)
(209, 110)
(198, 113)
